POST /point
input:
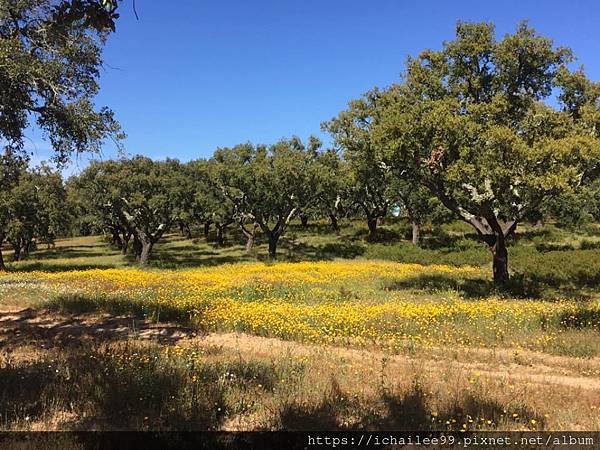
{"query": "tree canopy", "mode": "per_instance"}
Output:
(50, 57)
(473, 125)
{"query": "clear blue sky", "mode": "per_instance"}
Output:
(192, 75)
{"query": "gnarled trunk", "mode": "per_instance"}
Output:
(26, 248)
(250, 236)
(207, 229)
(145, 252)
(144, 240)
(416, 233)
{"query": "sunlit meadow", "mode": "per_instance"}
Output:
(357, 303)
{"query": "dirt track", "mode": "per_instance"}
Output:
(30, 327)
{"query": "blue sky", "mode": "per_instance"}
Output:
(193, 75)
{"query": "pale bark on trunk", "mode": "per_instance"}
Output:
(250, 236)
(490, 229)
(416, 233)
(21, 250)
(145, 253)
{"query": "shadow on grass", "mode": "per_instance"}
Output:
(174, 260)
(395, 412)
(468, 288)
(31, 327)
(533, 286)
(70, 252)
(118, 304)
(323, 252)
(126, 388)
(31, 266)
(583, 317)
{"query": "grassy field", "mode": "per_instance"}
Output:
(337, 334)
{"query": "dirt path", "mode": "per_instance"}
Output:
(493, 367)
(30, 327)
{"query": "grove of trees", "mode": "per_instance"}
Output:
(496, 131)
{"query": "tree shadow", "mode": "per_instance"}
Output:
(31, 327)
(56, 267)
(583, 317)
(323, 252)
(70, 252)
(113, 389)
(553, 247)
(472, 288)
(519, 286)
(408, 411)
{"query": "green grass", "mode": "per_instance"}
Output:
(546, 262)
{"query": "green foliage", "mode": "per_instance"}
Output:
(370, 180)
(136, 197)
(50, 56)
(30, 207)
(269, 185)
(470, 123)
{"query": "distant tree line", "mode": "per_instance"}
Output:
(494, 131)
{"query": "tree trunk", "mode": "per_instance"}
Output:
(125, 243)
(250, 236)
(500, 260)
(206, 229)
(249, 243)
(304, 220)
(539, 223)
(334, 222)
(273, 239)
(416, 233)
(2, 266)
(116, 238)
(145, 253)
(137, 247)
(188, 231)
(220, 232)
(17, 251)
(372, 223)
